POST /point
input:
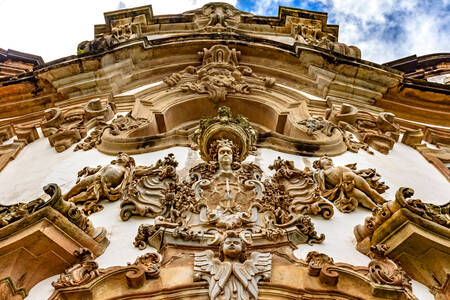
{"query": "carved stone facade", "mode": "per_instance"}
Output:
(227, 218)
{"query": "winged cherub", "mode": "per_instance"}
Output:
(232, 276)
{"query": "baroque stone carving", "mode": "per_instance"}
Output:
(233, 275)
(382, 270)
(223, 193)
(435, 213)
(13, 213)
(347, 187)
(65, 129)
(301, 186)
(219, 75)
(117, 126)
(84, 272)
(237, 130)
(312, 34)
(96, 184)
(379, 132)
(415, 233)
(80, 273)
(158, 179)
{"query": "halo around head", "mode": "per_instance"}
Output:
(223, 129)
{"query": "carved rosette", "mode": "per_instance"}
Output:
(219, 75)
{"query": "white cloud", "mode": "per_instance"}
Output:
(386, 30)
(53, 29)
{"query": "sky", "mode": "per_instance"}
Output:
(384, 30)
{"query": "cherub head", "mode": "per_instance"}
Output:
(124, 159)
(323, 163)
(233, 247)
(225, 153)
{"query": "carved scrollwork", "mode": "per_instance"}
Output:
(117, 126)
(220, 73)
(437, 213)
(319, 265)
(225, 195)
(146, 267)
(380, 132)
(301, 186)
(13, 213)
(383, 270)
(150, 189)
(65, 129)
(80, 273)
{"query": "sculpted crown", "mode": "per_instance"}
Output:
(236, 132)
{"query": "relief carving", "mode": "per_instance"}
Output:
(379, 132)
(80, 273)
(136, 199)
(65, 129)
(301, 186)
(233, 275)
(13, 213)
(117, 126)
(383, 270)
(145, 267)
(94, 185)
(222, 193)
(219, 75)
(436, 213)
(312, 34)
(348, 188)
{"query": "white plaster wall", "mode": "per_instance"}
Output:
(39, 164)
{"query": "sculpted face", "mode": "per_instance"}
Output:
(232, 247)
(326, 162)
(122, 159)
(225, 156)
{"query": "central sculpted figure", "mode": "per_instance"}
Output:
(232, 276)
(226, 201)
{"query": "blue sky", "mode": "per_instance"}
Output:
(384, 30)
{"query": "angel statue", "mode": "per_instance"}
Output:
(347, 187)
(232, 276)
(96, 184)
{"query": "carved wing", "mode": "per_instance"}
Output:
(208, 268)
(254, 269)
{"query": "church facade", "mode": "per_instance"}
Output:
(216, 154)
